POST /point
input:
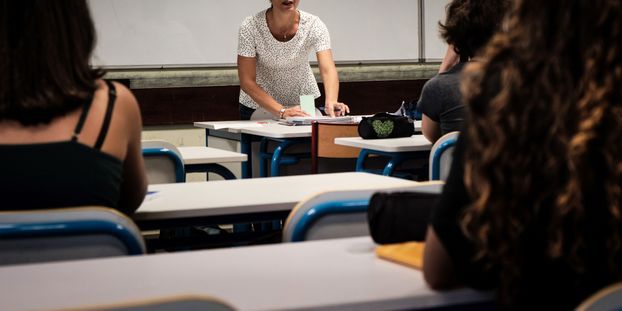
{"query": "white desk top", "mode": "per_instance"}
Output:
(257, 195)
(207, 155)
(234, 126)
(266, 128)
(339, 274)
(405, 144)
(279, 130)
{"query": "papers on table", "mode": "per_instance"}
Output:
(309, 120)
(307, 104)
(241, 125)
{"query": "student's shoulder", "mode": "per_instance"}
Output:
(433, 84)
(126, 102)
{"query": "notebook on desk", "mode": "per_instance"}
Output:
(309, 120)
(409, 254)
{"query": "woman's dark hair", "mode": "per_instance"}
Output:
(543, 166)
(45, 49)
(471, 23)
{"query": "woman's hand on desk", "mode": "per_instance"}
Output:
(294, 112)
(336, 109)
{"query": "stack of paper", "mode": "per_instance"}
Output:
(309, 120)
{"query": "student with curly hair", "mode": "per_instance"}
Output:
(469, 26)
(533, 204)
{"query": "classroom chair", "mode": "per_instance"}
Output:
(339, 213)
(67, 233)
(608, 298)
(323, 143)
(163, 162)
(441, 156)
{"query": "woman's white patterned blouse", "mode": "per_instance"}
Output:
(283, 69)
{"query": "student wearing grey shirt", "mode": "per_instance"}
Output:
(468, 27)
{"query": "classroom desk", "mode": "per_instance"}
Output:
(397, 149)
(244, 200)
(339, 274)
(250, 131)
(205, 159)
(258, 130)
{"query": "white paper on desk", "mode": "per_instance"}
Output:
(237, 125)
(307, 104)
(309, 120)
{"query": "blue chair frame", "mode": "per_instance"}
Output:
(73, 228)
(180, 172)
(327, 208)
(435, 165)
(278, 156)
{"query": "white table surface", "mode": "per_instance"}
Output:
(341, 274)
(404, 144)
(256, 195)
(208, 155)
(269, 128)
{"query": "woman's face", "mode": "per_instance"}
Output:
(285, 5)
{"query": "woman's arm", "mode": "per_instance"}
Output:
(247, 72)
(430, 129)
(134, 185)
(328, 71)
(438, 269)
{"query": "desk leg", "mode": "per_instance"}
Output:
(279, 158)
(246, 148)
(210, 168)
(360, 161)
(276, 158)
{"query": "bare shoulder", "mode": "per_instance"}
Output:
(125, 98)
(127, 105)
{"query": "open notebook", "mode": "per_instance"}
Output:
(309, 120)
(409, 254)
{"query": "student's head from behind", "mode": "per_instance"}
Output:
(45, 49)
(544, 152)
(471, 23)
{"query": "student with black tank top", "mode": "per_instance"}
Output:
(67, 138)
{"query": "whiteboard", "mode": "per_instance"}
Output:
(435, 47)
(199, 33)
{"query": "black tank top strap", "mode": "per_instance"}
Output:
(80, 125)
(112, 97)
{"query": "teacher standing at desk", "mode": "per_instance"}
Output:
(273, 66)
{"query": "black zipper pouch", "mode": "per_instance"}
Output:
(384, 125)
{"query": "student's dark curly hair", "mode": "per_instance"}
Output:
(543, 165)
(471, 23)
(45, 50)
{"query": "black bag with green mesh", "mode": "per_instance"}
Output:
(385, 125)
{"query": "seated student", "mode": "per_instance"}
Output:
(532, 207)
(67, 138)
(469, 26)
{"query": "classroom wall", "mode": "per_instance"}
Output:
(199, 33)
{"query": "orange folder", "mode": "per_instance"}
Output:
(409, 254)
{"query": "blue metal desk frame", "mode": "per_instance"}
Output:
(276, 158)
(395, 159)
